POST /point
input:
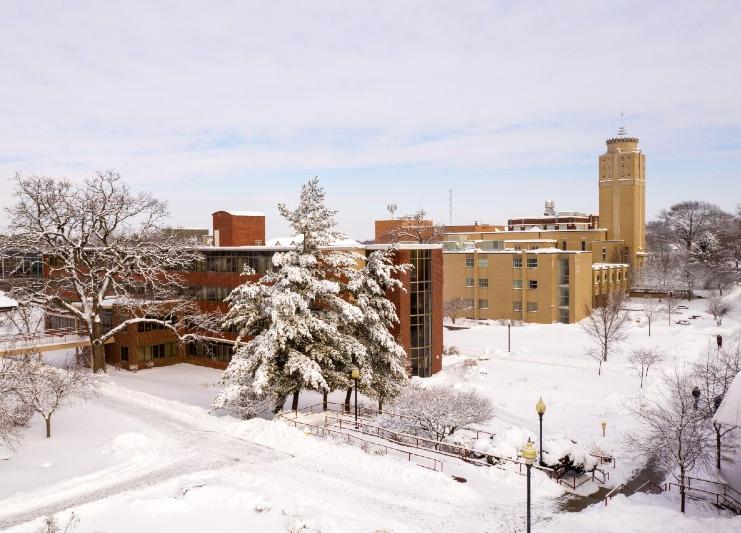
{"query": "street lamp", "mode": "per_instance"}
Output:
(355, 375)
(540, 408)
(528, 454)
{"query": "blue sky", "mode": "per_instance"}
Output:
(232, 105)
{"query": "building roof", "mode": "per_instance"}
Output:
(6, 302)
(600, 266)
(729, 412)
(241, 213)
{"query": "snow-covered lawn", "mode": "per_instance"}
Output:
(148, 456)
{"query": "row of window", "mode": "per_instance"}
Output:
(154, 351)
(531, 306)
(532, 262)
(220, 351)
(608, 277)
(483, 303)
(222, 261)
(516, 283)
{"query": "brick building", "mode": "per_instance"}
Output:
(239, 241)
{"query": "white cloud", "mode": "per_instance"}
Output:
(460, 90)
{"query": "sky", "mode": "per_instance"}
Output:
(233, 105)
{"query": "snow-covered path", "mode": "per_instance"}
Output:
(356, 489)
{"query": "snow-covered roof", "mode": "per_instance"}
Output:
(405, 246)
(530, 240)
(601, 266)
(729, 412)
(298, 239)
(6, 302)
(244, 213)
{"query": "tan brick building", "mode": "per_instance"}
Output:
(555, 268)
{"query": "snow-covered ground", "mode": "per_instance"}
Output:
(147, 455)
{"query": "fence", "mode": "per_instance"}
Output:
(367, 445)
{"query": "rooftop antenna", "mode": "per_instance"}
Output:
(622, 130)
(450, 206)
(391, 208)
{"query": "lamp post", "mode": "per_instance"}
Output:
(540, 408)
(528, 454)
(355, 375)
(604, 427)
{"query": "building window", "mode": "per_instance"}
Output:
(483, 283)
(563, 296)
(469, 282)
(469, 261)
(518, 247)
(604, 254)
(563, 315)
(484, 304)
(583, 246)
(484, 263)
(563, 245)
(124, 354)
(532, 307)
(468, 302)
(219, 351)
(421, 317)
(516, 283)
(532, 262)
(517, 306)
(157, 351)
(517, 262)
(532, 284)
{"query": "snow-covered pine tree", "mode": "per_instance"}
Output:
(384, 373)
(297, 317)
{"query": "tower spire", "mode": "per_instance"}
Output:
(622, 130)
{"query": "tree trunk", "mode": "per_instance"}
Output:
(604, 353)
(681, 487)
(47, 419)
(380, 406)
(98, 349)
(649, 327)
(279, 403)
(347, 399)
(325, 395)
(717, 445)
(294, 403)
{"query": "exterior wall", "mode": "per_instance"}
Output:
(607, 278)
(132, 338)
(383, 228)
(622, 195)
(238, 230)
(572, 238)
(501, 275)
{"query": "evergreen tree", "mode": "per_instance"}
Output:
(383, 373)
(298, 318)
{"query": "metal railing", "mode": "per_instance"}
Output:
(367, 445)
(721, 500)
(416, 442)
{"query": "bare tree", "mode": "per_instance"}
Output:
(651, 309)
(671, 431)
(642, 359)
(718, 307)
(607, 324)
(439, 411)
(670, 306)
(453, 307)
(44, 388)
(709, 375)
(689, 272)
(416, 228)
(688, 220)
(597, 356)
(98, 243)
(14, 415)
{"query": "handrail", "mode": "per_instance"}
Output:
(466, 454)
(728, 500)
(613, 492)
(725, 486)
(365, 408)
(321, 431)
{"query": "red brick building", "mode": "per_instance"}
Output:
(239, 240)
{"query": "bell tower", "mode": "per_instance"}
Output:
(622, 195)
